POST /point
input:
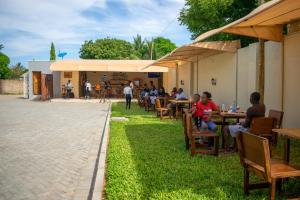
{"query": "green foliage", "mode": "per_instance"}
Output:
(5, 72)
(107, 48)
(147, 160)
(110, 48)
(52, 52)
(201, 16)
(163, 46)
(17, 71)
(138, 46)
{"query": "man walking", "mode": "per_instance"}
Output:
(128, 96)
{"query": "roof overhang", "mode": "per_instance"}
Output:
(265, 22)
(197, 50)
(106, 66)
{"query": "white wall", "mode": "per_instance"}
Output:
(221, 67)
(273, 76)
(38, 66)
(184, 74)
(291, 81)
(246, 73)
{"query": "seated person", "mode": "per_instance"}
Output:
(206, 111)
(256, 110)
(173, 92)
(161, 92)
(153, 94)
(211, 103)
(196, 110)
(180, 95)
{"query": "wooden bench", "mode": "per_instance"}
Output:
(193, 134)
(255, 157)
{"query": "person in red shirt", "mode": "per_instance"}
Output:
(207, 106)
(196, 110)
(211, 103)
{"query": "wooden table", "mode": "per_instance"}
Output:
(227, 115)
(288, 133)
(177, 103)
(165, 100)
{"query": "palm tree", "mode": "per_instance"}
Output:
(138, 46)
(1, 46)
(150, 48)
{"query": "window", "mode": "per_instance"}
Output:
(67, 74)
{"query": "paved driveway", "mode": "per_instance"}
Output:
(48, 150)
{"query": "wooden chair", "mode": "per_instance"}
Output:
(255, 157)
(186, 138)
(160, 110)
(278, 116)
(263, 126)
(148, 106)
(194, 134)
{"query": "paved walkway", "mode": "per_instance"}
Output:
(48, 150)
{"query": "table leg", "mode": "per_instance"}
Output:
(176, 111)
(237, 120)
(287, 150)
(222, 128)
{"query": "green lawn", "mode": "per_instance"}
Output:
(147, 160)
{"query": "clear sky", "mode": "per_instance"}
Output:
(27, 27)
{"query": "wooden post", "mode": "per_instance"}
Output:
(261, 69)
(261, 66)
(177, 75)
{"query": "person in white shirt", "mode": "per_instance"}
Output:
(69, 88)
(128, 96)
(180, 95)
(88, 88)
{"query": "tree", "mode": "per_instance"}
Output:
(18, 70)
(163, 46)
(138, 46)
(108, 48)
(52, 52)
(1, 46)
(201, 16)
(4, 62)
(150, 49)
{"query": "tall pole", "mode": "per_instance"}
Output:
(261, 66)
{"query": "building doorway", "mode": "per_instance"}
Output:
(36, 83)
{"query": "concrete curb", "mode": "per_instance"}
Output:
(99, 184)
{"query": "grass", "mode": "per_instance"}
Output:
(147, 160)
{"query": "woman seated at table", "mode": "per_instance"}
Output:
(206, 108)
(173, 92)
(256, 110)
(161, 92)
(153, 94)
(196, 110)
(211, 103)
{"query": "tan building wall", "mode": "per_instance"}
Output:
(11, 86)
(184, 76)
(221, 67)
(74, 81)
(273, 76)
(291, 81)
(170, 79)
(246, 73)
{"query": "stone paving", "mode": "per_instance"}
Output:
(48, 150)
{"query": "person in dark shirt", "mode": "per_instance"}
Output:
(256, 110)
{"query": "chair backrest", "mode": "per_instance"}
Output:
(189, 123)
(278, 115)
(262, 126)
(157, 103)
(184, 115)
(254, 152)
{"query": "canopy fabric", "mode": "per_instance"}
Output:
(106, 65)
(265, 22)
(201, 50)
